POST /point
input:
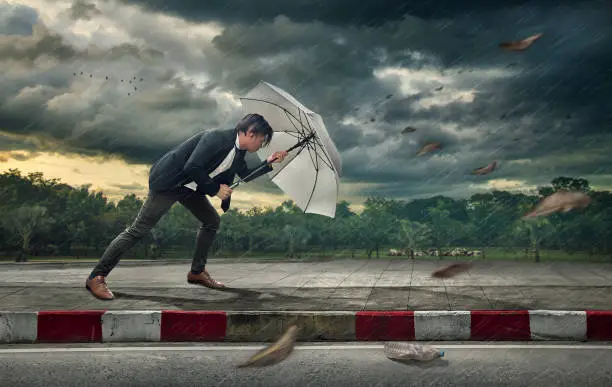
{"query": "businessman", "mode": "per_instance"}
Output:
(204, 164)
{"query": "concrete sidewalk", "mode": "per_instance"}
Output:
(347, 285)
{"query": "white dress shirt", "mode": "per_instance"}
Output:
(224, 166)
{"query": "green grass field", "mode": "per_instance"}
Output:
(490, 254)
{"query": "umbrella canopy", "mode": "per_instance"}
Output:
(310, 175)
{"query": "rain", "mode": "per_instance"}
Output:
(476, 181)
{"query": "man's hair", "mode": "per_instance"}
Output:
(259, 126)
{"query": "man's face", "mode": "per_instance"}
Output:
(253, 141)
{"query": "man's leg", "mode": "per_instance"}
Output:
(203, 210)
(154, 207)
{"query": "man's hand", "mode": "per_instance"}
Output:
(277, 157)
(224, 192)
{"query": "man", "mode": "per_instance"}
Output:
(204, 164)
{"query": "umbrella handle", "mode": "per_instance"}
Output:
(265, 162)
(302, 142)
(242, 180)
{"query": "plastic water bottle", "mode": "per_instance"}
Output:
(410, 351)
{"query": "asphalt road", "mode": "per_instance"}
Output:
(465, 364)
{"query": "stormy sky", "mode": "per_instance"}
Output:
(540, 113)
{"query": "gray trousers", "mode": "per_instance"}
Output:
(155, 206)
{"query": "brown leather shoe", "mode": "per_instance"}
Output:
(97, 287)
(204, 279)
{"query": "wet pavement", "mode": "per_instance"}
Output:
(344, 285)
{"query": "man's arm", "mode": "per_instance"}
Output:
(197, 165)
(244, 171)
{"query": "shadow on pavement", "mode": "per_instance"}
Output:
(246, 298)
(306, 299)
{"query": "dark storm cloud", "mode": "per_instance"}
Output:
(297, 56)
(10, 142)
(342, 12)
(66, 109)
(20, 147)
(16, 19)
(557, 96)
(127, 49)
(83, 10)
(179, 98)
(347, 137)
(245, 39)
(30, 48)
(564, 72)
(24, 40)
(321, 53)
(100, 129)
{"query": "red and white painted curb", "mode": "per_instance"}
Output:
(260, 326)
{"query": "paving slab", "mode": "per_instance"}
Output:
(350, 285)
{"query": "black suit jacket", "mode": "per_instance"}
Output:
(195, 159)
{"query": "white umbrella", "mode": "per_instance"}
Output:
(311, 174)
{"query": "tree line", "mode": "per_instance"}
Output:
(45, 217)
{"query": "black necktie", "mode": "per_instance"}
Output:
(238, 157)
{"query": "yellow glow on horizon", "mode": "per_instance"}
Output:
(114, 177)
